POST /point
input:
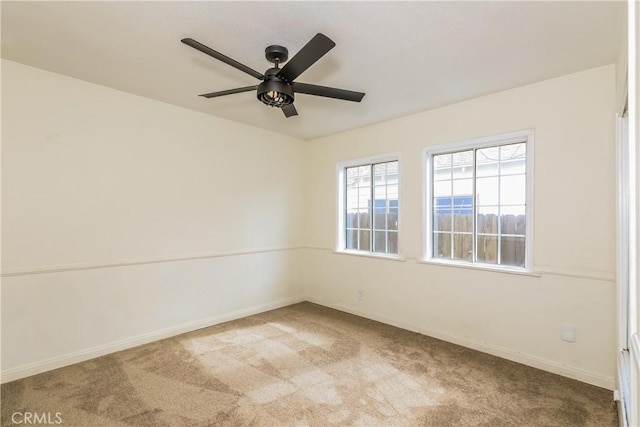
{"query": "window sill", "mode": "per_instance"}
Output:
(495, 269)
(370, 255)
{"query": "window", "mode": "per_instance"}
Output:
(479, 202)
(369, 207)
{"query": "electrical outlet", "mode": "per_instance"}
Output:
(568, 333)
(359, 295)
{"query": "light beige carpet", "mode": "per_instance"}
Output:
(306, 365)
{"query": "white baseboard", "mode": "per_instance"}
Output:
(505, 353)
(91, 353)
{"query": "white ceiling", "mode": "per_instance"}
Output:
(407, 56)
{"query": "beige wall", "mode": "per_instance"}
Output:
(125, 220)
(514, 316)
(100, 179)
(94, 175)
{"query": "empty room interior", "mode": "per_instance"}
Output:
(320, 213)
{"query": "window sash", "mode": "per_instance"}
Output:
(375, 226)
(513, 239)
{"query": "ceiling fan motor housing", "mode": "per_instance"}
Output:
(274, 91)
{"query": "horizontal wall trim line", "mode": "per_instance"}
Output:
(142, 261)
(505, 353)
(91, 353)
(538, 270)
(605, 276)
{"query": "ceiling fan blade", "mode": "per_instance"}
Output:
(306, 57)
(289, 110)
(220, 57)
(229, 91)
(329, 92)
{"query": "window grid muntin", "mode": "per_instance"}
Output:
(474, 247)
(371, 208)
(499, 208)
(374, 187)
(453, 232)
(359, 210)
(499, 235)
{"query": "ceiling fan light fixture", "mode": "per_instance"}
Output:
(275, 93)
(278, 84)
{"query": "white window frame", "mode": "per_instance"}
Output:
(478, 143)
(341, 168)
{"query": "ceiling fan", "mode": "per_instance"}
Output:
(278, 86)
